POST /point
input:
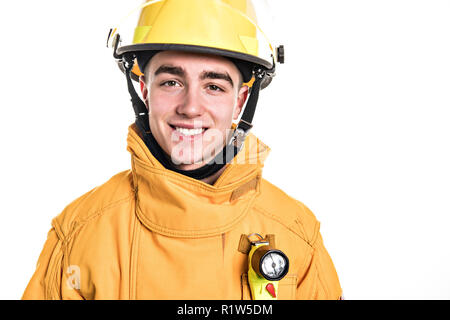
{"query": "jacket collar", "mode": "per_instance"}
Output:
(179, 206)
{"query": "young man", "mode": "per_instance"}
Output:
(193, 218)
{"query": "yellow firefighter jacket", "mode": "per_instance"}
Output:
(150, 233)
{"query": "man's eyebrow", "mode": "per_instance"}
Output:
(216, 75)
(170, 69)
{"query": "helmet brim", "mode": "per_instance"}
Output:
(246, 58)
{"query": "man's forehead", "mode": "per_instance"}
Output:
(188, 61)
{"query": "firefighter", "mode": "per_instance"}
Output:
(193, 218)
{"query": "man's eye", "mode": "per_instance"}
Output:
(170, 83)
(214, 88)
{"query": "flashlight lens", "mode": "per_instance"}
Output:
(273, 265)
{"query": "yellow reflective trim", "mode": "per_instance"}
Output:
(255, 24)
(141, 33)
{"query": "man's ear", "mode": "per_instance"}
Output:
(242, 97)
(144, 89)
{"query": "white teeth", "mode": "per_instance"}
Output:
(189, 132)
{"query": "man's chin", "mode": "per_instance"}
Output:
(189, 167)
(188, 162)
(187, 159)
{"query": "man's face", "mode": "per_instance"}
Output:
(192, 101)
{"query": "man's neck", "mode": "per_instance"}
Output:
(213, 178)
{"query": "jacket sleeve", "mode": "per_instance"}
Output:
(320, 281)
(44, 283)
(47, 281)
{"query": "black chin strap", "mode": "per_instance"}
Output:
(222, 158)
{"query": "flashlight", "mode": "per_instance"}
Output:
(266, 267)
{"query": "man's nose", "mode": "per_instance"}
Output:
(191, 106)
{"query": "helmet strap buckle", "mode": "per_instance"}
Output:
(238, 138)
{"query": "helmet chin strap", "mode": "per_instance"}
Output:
(230, 150)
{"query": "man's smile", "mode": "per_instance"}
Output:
(189, 131)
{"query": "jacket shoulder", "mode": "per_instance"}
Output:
(293, 214)
(116, 190)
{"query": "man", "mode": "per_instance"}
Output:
(193, 218)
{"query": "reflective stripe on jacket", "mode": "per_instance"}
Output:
(150, 233)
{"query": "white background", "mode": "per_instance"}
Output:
(357, 119)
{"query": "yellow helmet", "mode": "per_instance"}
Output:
(223, 27)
